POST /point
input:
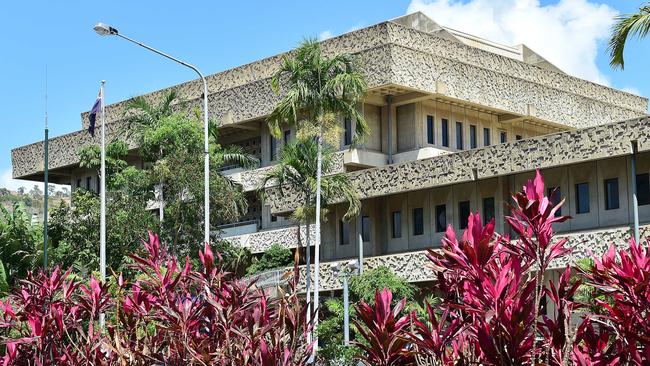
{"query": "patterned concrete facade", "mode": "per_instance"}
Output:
(391, 55)
(415, 267)
(546, 151)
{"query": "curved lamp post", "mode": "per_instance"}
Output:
(106, 30)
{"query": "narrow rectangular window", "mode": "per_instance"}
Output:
(397, 224)
(463, 213)
(611, 194)
(287, 136)
(555, 196)
(441, 218)
(274, 218)
(488, 209)
(344, 231)
(486, 137)
(518, 137)
(459, 136)
(272, 147)
(503, 136)
(643, 188)
(88, 183)
(365, 228)
(348, 131)
(430, 139)
(418, 221)
(78, 182)
(472, 137)
(582, 198)
(445, 132)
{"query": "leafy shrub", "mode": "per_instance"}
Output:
(171, 314)
(493, 285)
(364, 286)
(275, 257)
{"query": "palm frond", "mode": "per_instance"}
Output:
(626, 26)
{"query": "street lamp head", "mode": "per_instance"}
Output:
(104, 29)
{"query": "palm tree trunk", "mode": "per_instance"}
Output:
(317, 243)
(308, 276)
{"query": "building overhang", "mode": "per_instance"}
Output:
(546, 151)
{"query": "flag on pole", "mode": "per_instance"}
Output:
(93, 113)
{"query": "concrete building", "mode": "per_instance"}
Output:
(469, 120)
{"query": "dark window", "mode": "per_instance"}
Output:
(472, 137)
(88, 183)
(517, 137)
(441, 218)
(274, 218)
(445, 132)
(463, 213)
(486, 137)
(272, 147)
(611, 194)
(459, 135)
(488, 209)
(430, 139)
(78, 182)
(555, 195)
(347, 125)
(418, 221)
(397, 224)
(344, 231)
(365, 228)
(287, 136)
(582, 198)
(503, 136)
(643, 188)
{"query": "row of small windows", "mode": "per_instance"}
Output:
(610, 191)
(582, 204)
(473, 144)
(418, 221)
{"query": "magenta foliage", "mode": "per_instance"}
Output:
(171, 314)
(494, 296)
(626, 283)
(385, 332)
(52, 320)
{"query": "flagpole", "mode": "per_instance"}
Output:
(102, 195)
(46, 167)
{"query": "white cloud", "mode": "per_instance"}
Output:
(325, 35)
(567, 33)
(6, 181)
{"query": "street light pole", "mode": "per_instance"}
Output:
(344, 271)
(105, 30)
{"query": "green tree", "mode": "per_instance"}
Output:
(19, 243)
(317, 91)
(275, 257)
(626, 26)
(74, 230)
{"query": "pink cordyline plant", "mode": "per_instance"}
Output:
(171, 314)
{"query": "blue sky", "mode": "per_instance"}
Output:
(214, 36)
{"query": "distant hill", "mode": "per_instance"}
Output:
(33, 200)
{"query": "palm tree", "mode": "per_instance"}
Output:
(297, 171)
(317, 90)
(627, 25)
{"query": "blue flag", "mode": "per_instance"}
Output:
(93, 114)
